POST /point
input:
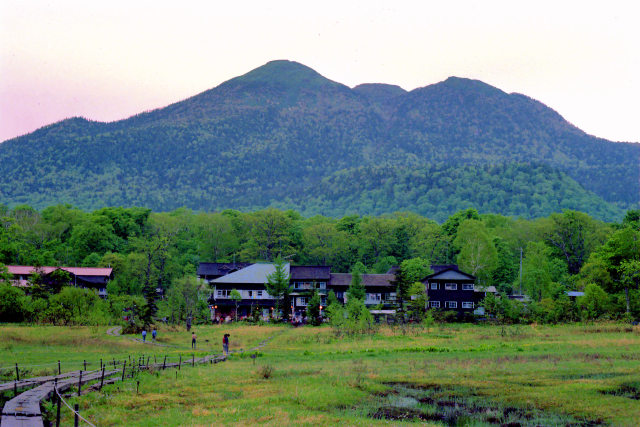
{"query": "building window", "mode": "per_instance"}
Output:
(259, 294)
(222, 293)
(302, 301)
(434, 286)
(452, 304)
(322, 285)
(250, 294)
(435, 304)
(467, 286)
(451, 286)
(467, 305)
(374, 297)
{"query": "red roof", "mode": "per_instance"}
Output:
(78, 271)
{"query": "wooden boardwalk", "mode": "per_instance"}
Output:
(24, 409)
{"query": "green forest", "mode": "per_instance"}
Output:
(560, 252)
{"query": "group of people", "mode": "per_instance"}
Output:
(154, 335)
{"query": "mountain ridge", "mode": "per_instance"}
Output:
(276, 132)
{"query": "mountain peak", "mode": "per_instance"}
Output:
(379, 92)
(467, 84)
(283, 72)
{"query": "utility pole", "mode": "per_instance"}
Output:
(520, 271)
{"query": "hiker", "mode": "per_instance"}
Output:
(225, 344)
(144, 335)
(193, 340)
(154, 334)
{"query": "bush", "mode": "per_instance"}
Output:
(594, 303)
(265, 371)
(11, 304)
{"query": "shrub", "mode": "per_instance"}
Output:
(265, 371)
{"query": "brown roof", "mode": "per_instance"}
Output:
(344, 279)
(309, 272)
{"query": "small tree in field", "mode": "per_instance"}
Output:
(313, 309)
(417, 301)
(278, 284)
(356, 288)
(236, 297)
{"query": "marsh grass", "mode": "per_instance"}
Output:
(558, 373)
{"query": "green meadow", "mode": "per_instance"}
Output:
(580, 374)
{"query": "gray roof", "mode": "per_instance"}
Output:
(450, 273)
(255, 273)
(575, 293)
(491, 289)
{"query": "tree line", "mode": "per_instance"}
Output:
(568, 251)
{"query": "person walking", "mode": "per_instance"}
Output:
(193, 340)
(154, 334)
(225, 344)
(144, 335)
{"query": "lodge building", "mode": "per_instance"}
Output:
(82, 277)
(447, 288)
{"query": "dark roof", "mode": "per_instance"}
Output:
(393, 269)
(220, 268)
(452, 267)
(310, 272)
(344, 279)
(437, 268)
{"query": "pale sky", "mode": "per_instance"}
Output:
(108, 60)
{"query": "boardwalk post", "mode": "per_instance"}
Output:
(55, 387)
(59, 371)
(148, 361)
(154, 359)
(100, 363)
(137, 387)
(17, 373)
(80, 383)
(180, 363)
(102, 378)
(85, 365)
(76, 421)
(124, 365)
(164, 364)
(193, 360)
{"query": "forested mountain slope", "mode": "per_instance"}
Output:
(282, 135)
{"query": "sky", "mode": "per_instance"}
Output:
(108, 60)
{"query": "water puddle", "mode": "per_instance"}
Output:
(460, 407)
(628, 390)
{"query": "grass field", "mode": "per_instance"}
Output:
(445, 375)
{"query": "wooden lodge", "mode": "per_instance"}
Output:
(82, 277)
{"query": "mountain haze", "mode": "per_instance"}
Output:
(284, 135)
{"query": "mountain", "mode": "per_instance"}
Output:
(286, 136)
